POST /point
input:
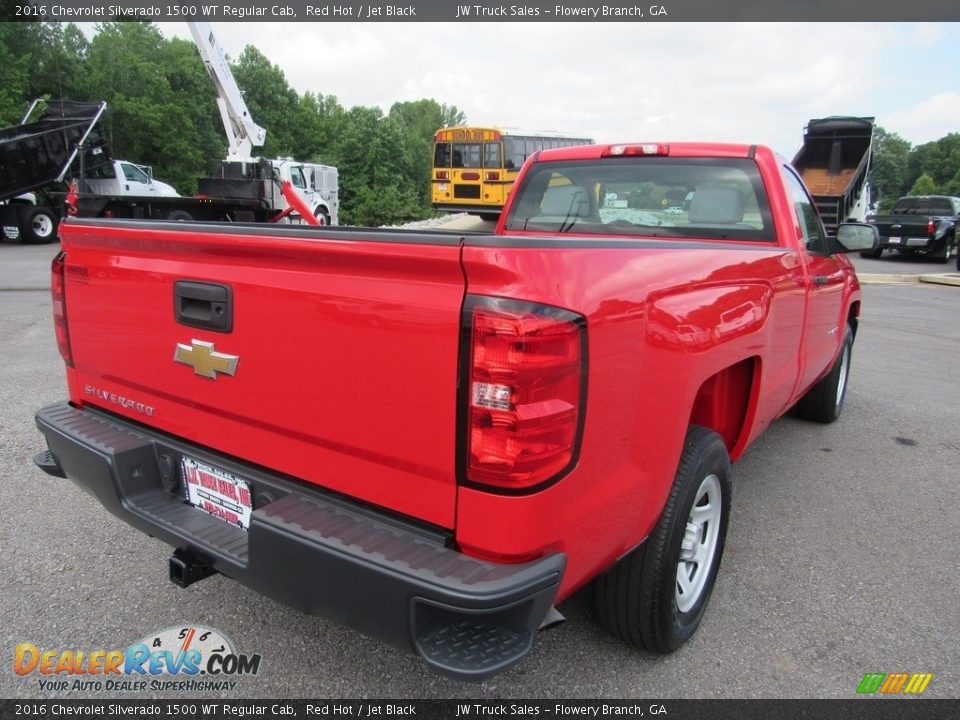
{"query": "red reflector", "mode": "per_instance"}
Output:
(443, 175)
(60, 308)
(642, 149)
(524, 392)
(492, 176)
(470, 176)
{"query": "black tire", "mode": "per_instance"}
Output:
(38, 225)
(323, 218)
(872, 253)
(946, 255)
(638, 599)
(823, 402)
(490, 217)
(180, 216)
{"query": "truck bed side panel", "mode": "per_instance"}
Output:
(662, 318)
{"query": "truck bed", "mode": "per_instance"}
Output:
(820, 181)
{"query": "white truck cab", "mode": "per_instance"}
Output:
(317, 184)
(122, 177)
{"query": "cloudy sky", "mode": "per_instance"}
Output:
(753, 82)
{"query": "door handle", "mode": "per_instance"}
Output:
(203, 305)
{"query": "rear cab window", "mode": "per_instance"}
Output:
(715, 198)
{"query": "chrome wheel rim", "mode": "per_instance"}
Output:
(42, 226)
(698, 548)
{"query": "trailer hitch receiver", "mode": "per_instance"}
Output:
(186, 568)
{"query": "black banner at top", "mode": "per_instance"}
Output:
(484, 11)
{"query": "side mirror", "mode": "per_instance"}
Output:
(856, 237)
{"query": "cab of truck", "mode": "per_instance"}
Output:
(124, 178)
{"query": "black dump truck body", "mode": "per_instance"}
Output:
(834, 163)
(35, 155)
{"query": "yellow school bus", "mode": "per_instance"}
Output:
(474, 167)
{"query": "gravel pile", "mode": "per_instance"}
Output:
(431, 224)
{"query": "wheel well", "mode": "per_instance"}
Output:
(724, 399)
(853, 317)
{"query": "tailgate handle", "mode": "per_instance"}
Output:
(203, 305)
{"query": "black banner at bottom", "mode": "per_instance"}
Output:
(859, 709)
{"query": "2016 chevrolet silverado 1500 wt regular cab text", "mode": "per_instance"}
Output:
(437, 437)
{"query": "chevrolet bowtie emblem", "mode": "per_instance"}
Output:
(205, 360)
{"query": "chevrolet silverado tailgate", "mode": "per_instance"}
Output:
(327, 355)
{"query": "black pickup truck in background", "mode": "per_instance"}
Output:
(921, 225)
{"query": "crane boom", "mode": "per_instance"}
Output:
(243, 134)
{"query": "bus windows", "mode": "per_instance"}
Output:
(466, 155)
(491, 155)
(441, 155)
(515, 152)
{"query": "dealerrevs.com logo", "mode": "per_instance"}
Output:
(184, 658)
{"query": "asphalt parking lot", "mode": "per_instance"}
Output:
(841, 560)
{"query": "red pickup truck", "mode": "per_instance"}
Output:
(436, 437)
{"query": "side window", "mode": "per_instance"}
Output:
(813, 235)
(134, 174)
(105, 172)
(296, 177)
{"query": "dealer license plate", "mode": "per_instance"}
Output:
(217, 492)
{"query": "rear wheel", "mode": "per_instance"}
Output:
(322, 217)
(872, 253)
(824, 401)
(655, 597)
(180, 216)
(38, 225)
(948, 250)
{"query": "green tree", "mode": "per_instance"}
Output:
(419, 121)
(952, 187)
(940, 159)
(888, 177)
(38, 59)
(924, 185)
(271, 101)
(374, 186)
(320, 119)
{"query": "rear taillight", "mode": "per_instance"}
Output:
(523, 394)
(491, 175)
(57, 282)
(931, 227)
(443, 175)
